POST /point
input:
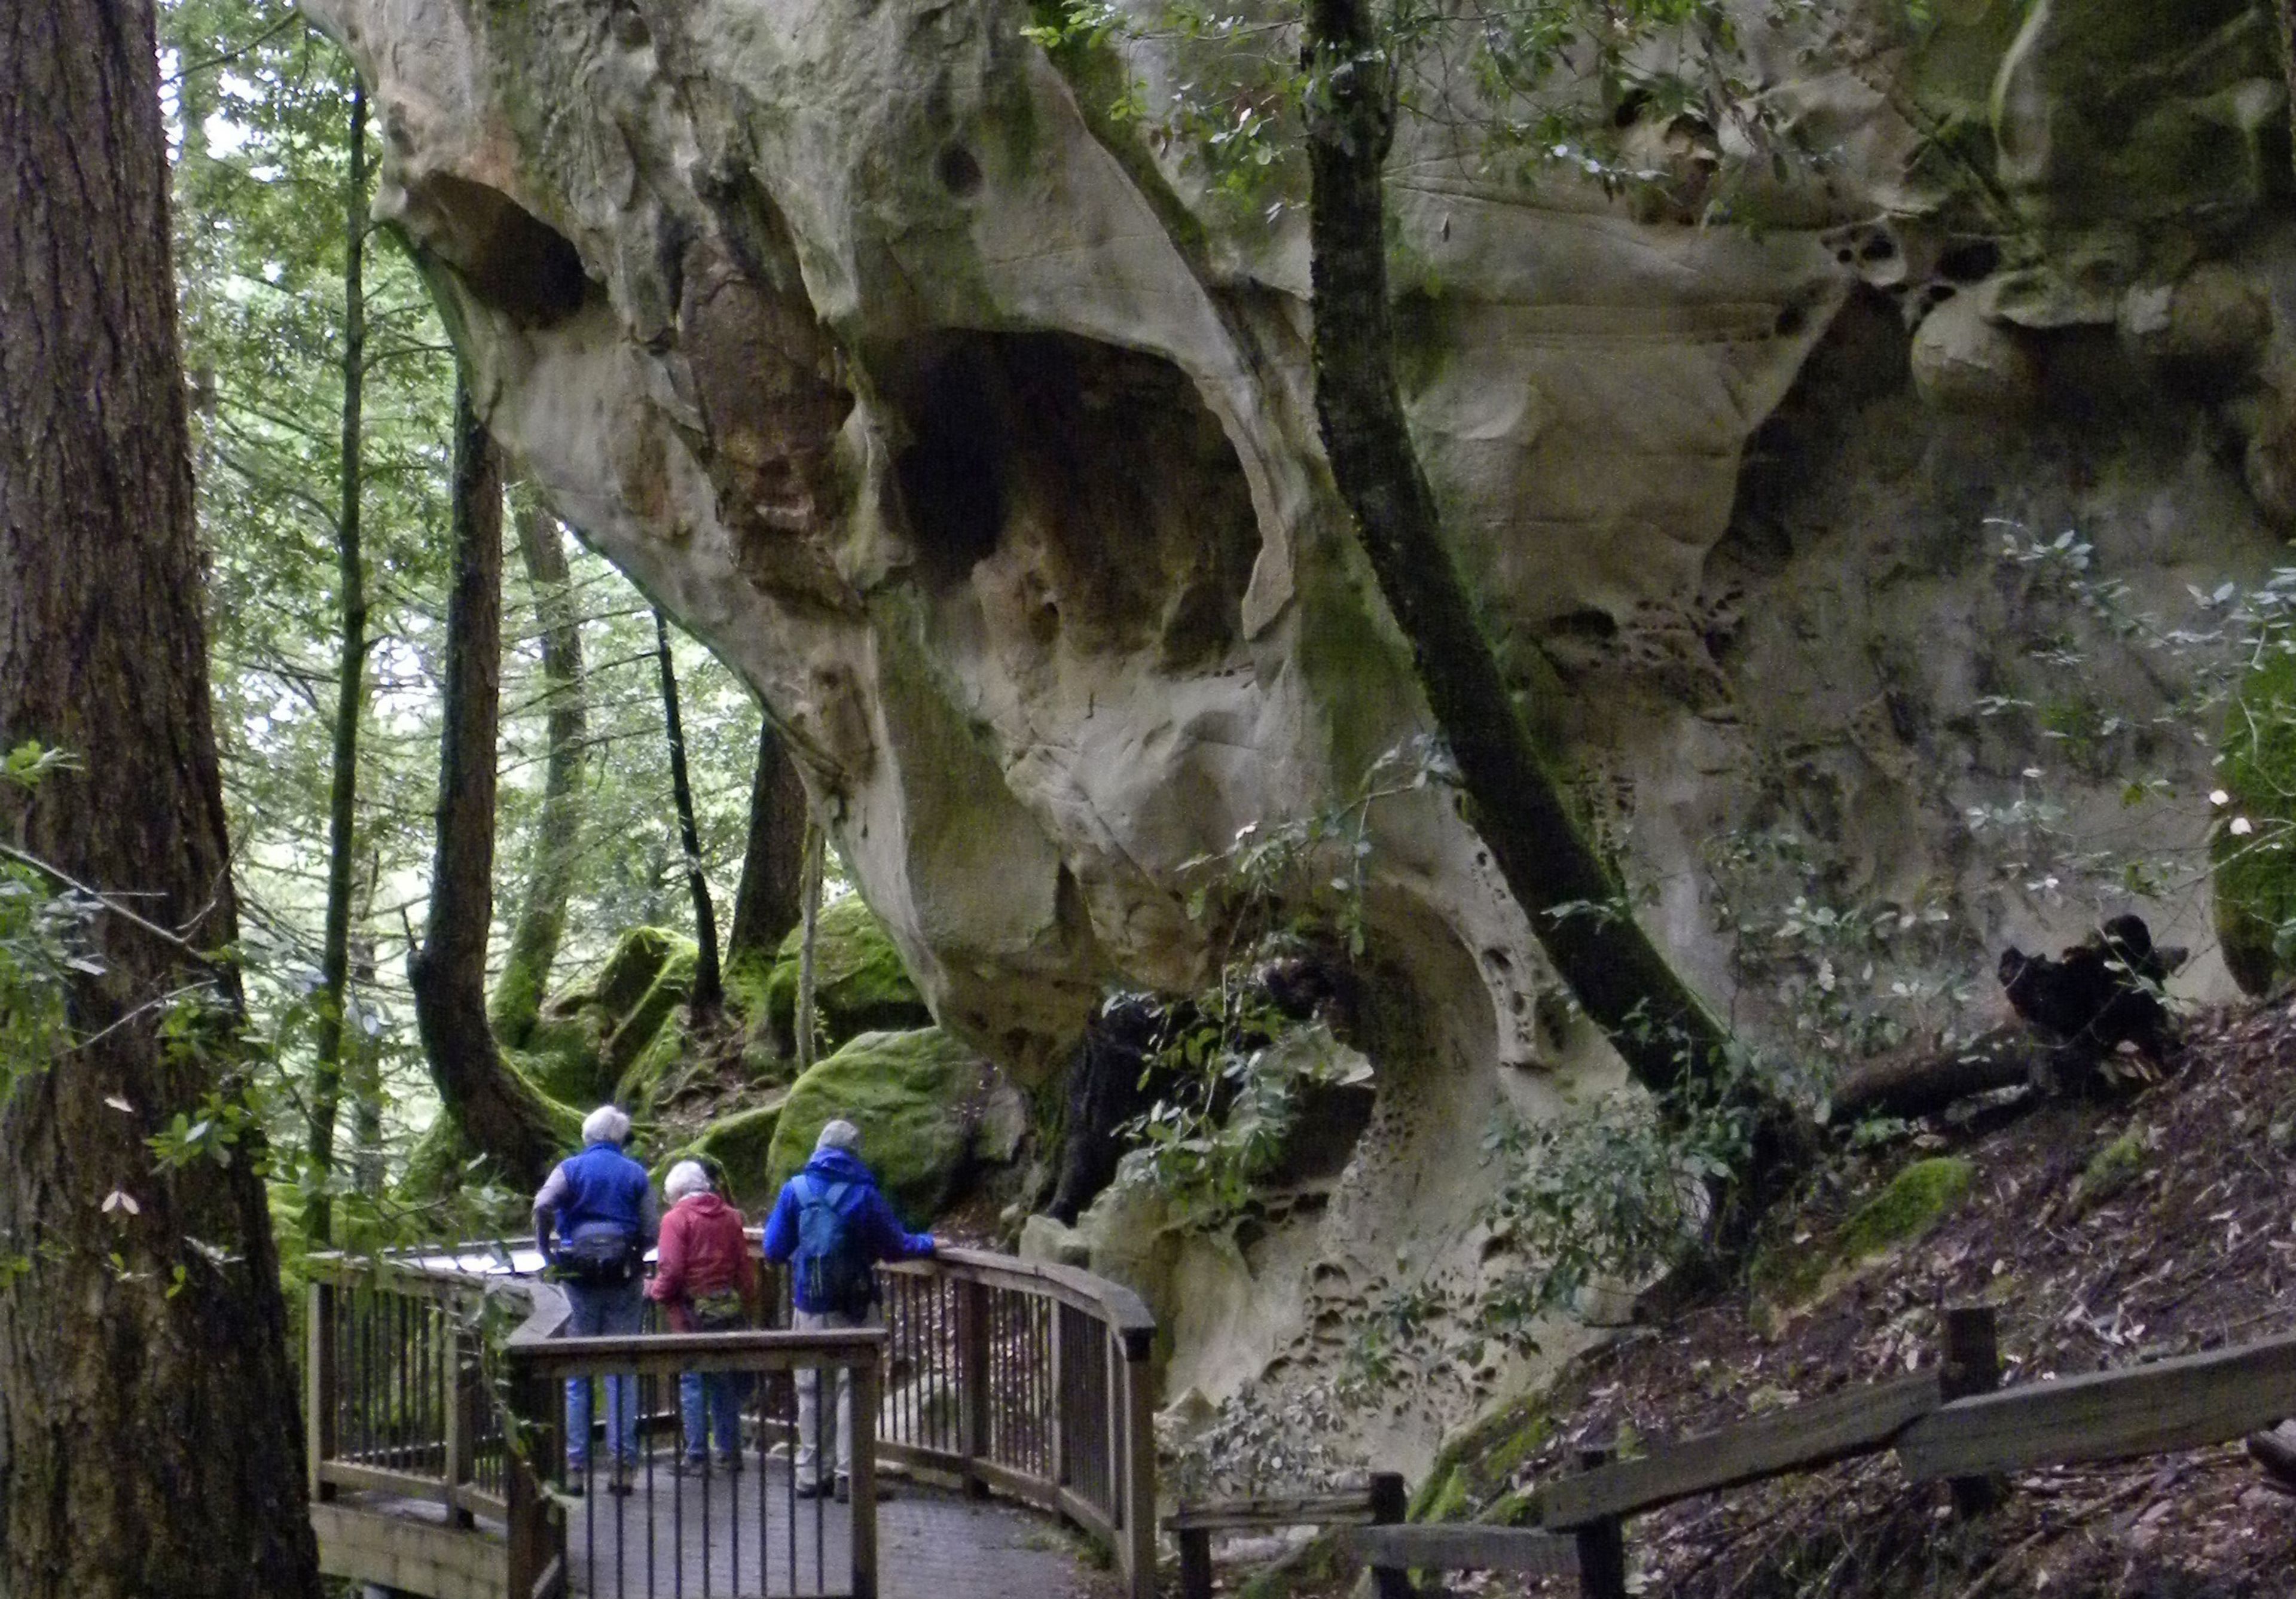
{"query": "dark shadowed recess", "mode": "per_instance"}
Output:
(512, 261)
(1098, 468)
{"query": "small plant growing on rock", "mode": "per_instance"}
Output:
(1239, 1053)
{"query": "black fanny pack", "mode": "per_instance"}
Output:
(598, 1260)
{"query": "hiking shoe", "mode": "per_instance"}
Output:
(731, 1464)
(692, 1466)
(808, 1491)
(844, 1490)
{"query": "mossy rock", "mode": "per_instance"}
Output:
(646, 1020)
(626, 975)
(565, 1058)
(2255, 876)
(912, 1095)
(1472, 1467)
(655, 1076)
(2111, 1170)
(859, 984)
(739, 1150)
(1917, 1200)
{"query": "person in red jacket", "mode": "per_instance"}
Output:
(707, 1280)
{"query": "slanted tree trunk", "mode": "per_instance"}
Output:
(1575, 907)
(709, 984)
(541, 923)
(769, 900)
(149, 1433)
(497, 1110)
(350, 706)
(810, 892)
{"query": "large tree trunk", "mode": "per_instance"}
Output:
(1575, 907)
(350, 705)
(149, 1436)
(767, 902)
(709, 983)
(497, 1110)
(541, 923)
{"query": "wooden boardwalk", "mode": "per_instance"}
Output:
(930, 1544)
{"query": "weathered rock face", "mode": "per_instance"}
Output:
(981, 445)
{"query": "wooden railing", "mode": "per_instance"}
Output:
(1032, 1381)
(1950, 1424)
(996, 1374)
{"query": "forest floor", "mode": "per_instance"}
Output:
(2107, 1235)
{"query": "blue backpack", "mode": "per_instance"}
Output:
(834, 1270)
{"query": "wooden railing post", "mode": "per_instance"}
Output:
(1058, 1376)
(1134, 1475)
(865, 1381)
(972, 1381)
(1388, 1508)
(1970, 1363)
(1602, 1544)
(460, 1381)
(322, 1378)
(532, 1536)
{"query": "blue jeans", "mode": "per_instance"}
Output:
(596, 1311)
(711, 1403)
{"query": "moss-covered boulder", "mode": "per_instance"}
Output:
(566, 1058)
(2254, 847)
(859, 984)
(614, 1036)
(1915, 1202)
(739, 1151)
(914, 1095)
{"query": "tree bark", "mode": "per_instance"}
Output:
(149, 1436)
(1925, 1085)
(1575, 907)
(709, 983)
(541, 923)
(769, 900)
(350, 706)
(801, 1046)
(497, 1110)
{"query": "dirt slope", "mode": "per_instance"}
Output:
(2107, 1235)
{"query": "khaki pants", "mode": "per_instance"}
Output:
(809, 1438)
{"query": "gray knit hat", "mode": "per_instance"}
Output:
(839, 1133)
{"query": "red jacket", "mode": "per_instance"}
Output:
(703, 1249)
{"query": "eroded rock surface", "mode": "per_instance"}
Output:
(981, 445)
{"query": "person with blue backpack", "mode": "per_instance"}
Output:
(600, 1205)
(831, 1226)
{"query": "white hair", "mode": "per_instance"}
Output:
(686, 1178)
(608, 1124)
(839, 1133)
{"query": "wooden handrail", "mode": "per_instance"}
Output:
(1021, 1429)
(1117, 1306)
(1856, 1420)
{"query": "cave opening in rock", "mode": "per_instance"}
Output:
(510, 259)
(1099, 471)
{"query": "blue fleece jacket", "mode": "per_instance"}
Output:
(864, 1210)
